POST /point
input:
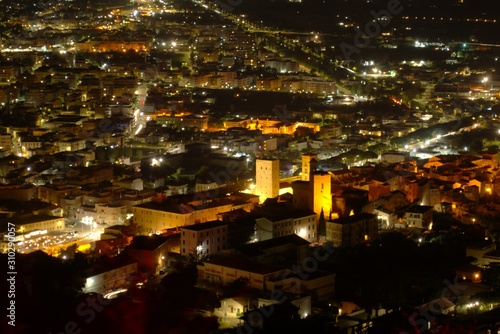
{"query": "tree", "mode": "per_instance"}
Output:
(202, 173)
(197, 256)
(131, 229)
(69, 252)
(378, 148)
(322, 224)
(237, 287)
(410, 94)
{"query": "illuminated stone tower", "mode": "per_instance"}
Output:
(322, 192)
(306, 159)
(314, 192)
(267, 178)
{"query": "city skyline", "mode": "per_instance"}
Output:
(237, 166)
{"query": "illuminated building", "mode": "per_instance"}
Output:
(267, 178)
(419, 216)
(225, 270)
(313, 192)
(18, 192)
(182, 120)
(103, 213)
(6, 141)
(204, 238)
(31, 222)
(300, 222)
(151, 252)
(352, 230)
(54, 193)
(155, 217)
(110, 275)
(306, 162)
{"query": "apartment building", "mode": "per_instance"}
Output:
(204, 238)
(300, 222)
(352, 230)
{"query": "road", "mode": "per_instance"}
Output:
(54, 242)
(273, 35)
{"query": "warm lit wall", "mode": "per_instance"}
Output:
(206, 241)
(109, 280)
(55, 224)
(267, 183)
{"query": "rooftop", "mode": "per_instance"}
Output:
(242, 264)
(493, 254)
(353, 218)
(258, 248)
(419, 209)
(148, 242)
(280, 214)
(204, 226)
(110, 263)
(30, 219)
(484, 244)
